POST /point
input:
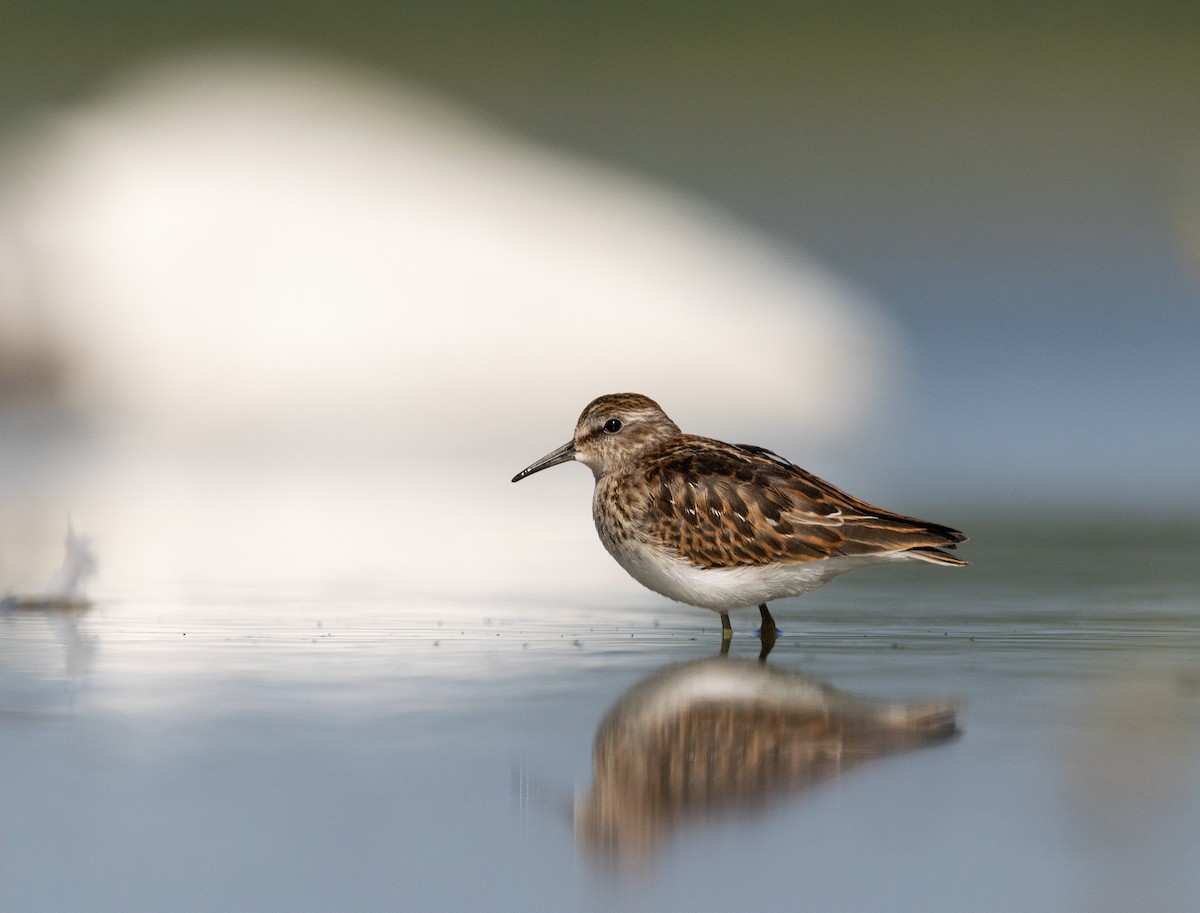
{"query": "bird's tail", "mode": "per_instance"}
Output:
(934, 556)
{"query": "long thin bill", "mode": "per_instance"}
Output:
(561, 455)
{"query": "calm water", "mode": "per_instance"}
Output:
(305, 747)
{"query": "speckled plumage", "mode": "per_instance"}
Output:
(725, 526)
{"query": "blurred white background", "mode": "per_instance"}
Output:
(945, 258)
(311, 321)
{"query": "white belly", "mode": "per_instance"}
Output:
(725, 589)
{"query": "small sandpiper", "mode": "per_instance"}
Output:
(726, 526)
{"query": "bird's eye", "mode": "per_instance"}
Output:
(612, 426)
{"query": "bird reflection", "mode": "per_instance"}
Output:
(723, 734)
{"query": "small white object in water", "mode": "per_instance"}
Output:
(65, 590)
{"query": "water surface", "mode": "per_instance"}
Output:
(305, 747)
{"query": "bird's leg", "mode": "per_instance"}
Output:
(726, 632)
(767, 632)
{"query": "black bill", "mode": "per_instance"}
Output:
(561, 455)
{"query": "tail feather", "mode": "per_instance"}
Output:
(934, 556)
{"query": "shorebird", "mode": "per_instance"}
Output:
(726, 526)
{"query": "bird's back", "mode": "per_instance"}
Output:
(724, 505)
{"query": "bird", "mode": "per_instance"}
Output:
(727, 526)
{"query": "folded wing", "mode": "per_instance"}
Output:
(720, 505)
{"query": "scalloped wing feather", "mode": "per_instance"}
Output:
(720, 505)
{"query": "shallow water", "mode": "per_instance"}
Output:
(313, 748)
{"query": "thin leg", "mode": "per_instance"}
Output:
(767, 632)
(726, 632)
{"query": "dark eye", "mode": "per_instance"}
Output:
(612, 426)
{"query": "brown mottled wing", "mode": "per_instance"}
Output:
(719, 505)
